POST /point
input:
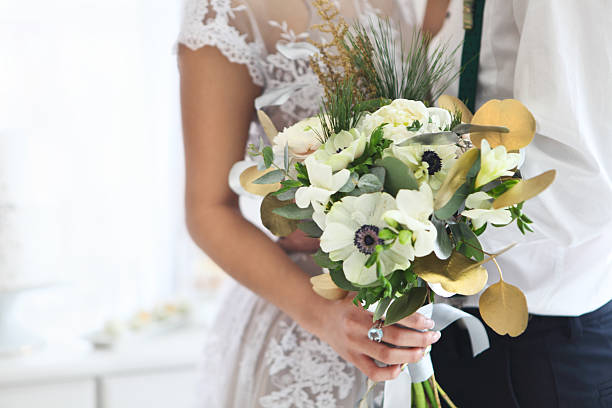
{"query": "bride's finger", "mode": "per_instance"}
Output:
(417, 321)
(403, 337)
(374, 372)
(391, 355)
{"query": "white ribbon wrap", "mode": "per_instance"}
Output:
(398, 391)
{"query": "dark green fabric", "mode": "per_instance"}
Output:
(468, 80)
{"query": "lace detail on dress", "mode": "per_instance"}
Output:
(200, 29)
(305, 372)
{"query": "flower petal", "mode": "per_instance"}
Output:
(355, 270)
(336, 236)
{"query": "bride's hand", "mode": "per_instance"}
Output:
(298, 241)
(345, 329)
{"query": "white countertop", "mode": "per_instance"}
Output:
(72, 359)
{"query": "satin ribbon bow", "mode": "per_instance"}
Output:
(398, 391)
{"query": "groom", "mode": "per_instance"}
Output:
(555, 56)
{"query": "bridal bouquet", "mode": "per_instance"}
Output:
(397, 190)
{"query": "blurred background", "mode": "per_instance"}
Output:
(103, 296)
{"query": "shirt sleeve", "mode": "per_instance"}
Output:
(229, 26)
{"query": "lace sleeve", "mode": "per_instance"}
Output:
(229, 26)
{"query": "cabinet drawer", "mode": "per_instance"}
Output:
(74, 394)
(174, 389)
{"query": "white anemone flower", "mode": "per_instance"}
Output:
(351, 236)
(482, 211)
(414, 207)
(341, 149)
(495, 163)
(430, 164)
(323, 183)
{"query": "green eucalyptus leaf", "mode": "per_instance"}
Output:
(293, 212)
(340, 280)
(270, 177)
(443, 247)
(268, 156)
(464, 128)
(436, 138)
(311, 229)
(285, 195)
(322, 259)
(466, 241)
(379, 172)
(369, 183)
(350, 184)
(455, 203)
(398, 175)
(286, 156)
(356, 192)
(381, 308)
(406, 305)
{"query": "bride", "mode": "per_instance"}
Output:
(275, 342)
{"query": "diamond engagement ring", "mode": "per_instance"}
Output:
(376, 333)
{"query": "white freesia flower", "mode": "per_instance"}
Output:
(323, 183)
(303, 138)
(482, 210)
(430, 164)
(414, 207)
(341, 149)
(495, 163)
(351, 236)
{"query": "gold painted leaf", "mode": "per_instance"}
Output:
(457, 274)
(509, 113)
(279, 226)
(450, 103)
(267, 125)
(253, 173)
(504, 308)
(324, 286)
(525, 189)
(455, 178)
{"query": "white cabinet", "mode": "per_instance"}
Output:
(155, 373)
(74, 394)
(174, 389)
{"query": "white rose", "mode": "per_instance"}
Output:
(402, 114)
(303, 138)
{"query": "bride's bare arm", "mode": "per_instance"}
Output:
(217, 106)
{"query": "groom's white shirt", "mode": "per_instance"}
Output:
(555, 56)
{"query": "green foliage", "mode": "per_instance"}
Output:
(338, 112)
(406, 305)
(522, 221)
(398, 175)
(293, 212)
(322, 259)
(268, 156)
(502, 187)
(466, 241)
(414, 126)
(302, 174)
(456, 117)
(310, 228)
(369, 183)
(416, 72)
(458, 199)
(270, 177)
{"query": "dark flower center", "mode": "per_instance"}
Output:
(433, 160)
(366, 239)
(339, 150)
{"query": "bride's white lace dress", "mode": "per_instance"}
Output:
(256, 356)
